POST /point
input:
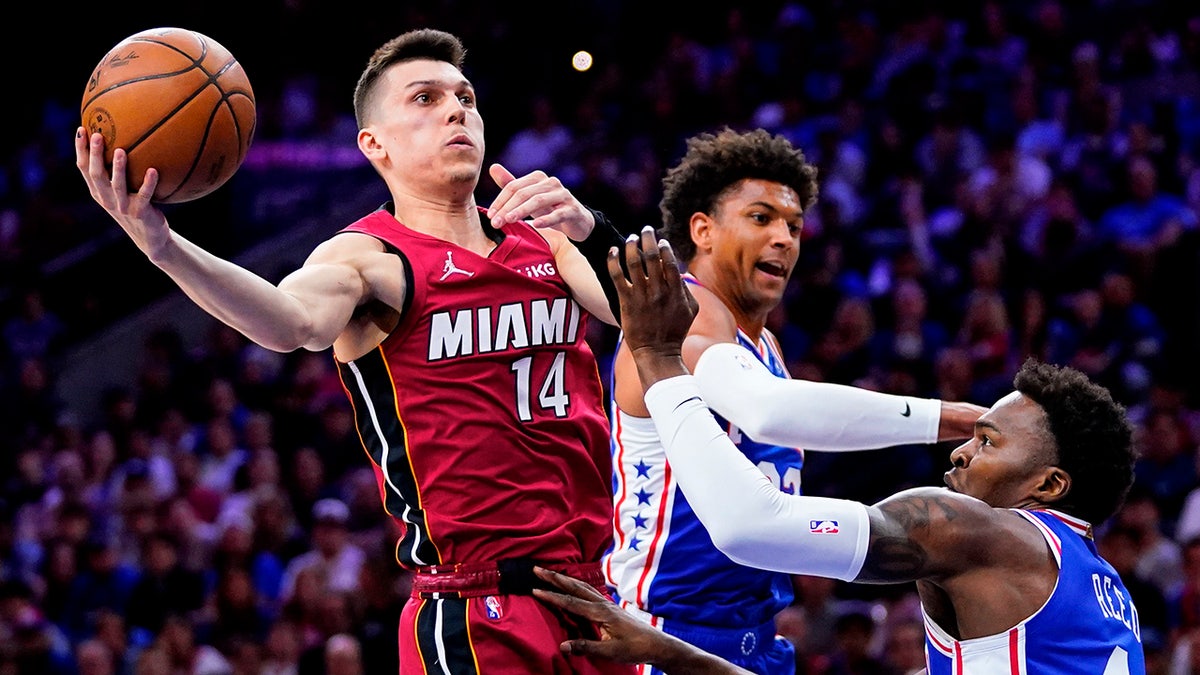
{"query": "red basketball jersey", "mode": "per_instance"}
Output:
(482, 411)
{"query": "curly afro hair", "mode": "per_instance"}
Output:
(1091, 432)
(714, 163)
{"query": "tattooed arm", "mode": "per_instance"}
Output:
(979, 570)
(934, 533)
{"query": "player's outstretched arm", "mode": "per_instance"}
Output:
(623, 637)
(822, 415)
(916, 534)
(308, 309)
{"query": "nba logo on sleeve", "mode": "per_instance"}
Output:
(823, 526)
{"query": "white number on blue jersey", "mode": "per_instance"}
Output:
(789, 482)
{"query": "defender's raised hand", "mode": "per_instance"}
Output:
(657, 308)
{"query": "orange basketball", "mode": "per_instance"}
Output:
(177, 101)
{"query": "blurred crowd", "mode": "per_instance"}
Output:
(998, 180)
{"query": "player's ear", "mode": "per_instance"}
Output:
(1054, 486)
(369, 145)
(701, 226)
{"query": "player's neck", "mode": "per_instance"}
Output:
(750, 318)
(749, 321)
(753, 328)
(458, 223)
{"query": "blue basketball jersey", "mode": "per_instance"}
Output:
(663, 563)
(1089, 624)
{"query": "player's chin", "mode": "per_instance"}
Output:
(765, 282)
(772, 294)
(770, 286)
(466, 173)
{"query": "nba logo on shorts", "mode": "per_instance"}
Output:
(492, 603)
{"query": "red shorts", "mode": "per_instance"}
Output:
(494, 634)
(463, 621)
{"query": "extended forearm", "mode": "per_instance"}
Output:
(811, 415)
(239, 298)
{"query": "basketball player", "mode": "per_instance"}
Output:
(733, 208)
(1003, 557)
(460, 343)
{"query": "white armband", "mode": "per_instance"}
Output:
(809, 415)
(746, 515)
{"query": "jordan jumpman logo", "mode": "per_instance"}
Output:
(450, 268)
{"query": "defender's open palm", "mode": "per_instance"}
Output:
(657, 308)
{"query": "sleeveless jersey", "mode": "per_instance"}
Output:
(662, 561)
(1088, 625)
(482, 412)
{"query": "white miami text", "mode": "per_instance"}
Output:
(482, 330)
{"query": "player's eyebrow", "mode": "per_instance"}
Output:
(439, 83)
(986, 424)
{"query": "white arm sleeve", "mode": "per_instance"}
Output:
(746, 515)
(810, 415)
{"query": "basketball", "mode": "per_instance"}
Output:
(177, 101)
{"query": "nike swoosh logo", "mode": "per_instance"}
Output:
(907, 411)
